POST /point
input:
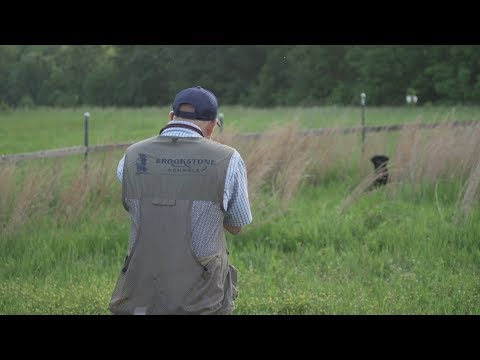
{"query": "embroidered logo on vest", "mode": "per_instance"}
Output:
(185, 165)
(141, 164)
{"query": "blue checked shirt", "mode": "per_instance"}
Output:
(205, 215)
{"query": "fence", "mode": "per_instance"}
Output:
(318, 132)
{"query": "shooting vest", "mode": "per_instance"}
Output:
(162, 274)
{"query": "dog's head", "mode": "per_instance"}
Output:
(378, 160)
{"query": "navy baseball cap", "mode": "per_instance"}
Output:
(203, 100)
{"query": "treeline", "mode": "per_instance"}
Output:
(249, 75)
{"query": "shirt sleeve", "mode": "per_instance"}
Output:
(235, 200)
(120, 168)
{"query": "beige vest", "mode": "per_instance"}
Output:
(162, 275)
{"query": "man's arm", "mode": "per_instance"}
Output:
(236, 202)
(232, 229)
(120, 168)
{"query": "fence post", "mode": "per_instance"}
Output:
(363, 97)
(87, 117)
(220, 121)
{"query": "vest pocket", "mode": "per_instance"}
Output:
(163, 202)
(234, 278)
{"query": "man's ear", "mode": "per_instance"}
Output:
(171, 115)
(210, 126)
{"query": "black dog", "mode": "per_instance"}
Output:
(381, 171)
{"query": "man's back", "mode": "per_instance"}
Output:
(182, 191)
(167, 175)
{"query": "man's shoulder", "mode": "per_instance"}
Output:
(140, 143)
(222, 147)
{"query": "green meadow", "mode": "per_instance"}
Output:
(323, 241)
(50, 128)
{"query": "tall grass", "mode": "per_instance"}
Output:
(320, 243)
(34, 192)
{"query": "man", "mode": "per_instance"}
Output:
(181, 190)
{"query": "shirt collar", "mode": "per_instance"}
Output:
(185, 132)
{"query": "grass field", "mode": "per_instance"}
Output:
(320, 243)
(45, 128)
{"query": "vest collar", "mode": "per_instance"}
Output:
(182, 125)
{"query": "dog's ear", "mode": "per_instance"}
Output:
(378, 160)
